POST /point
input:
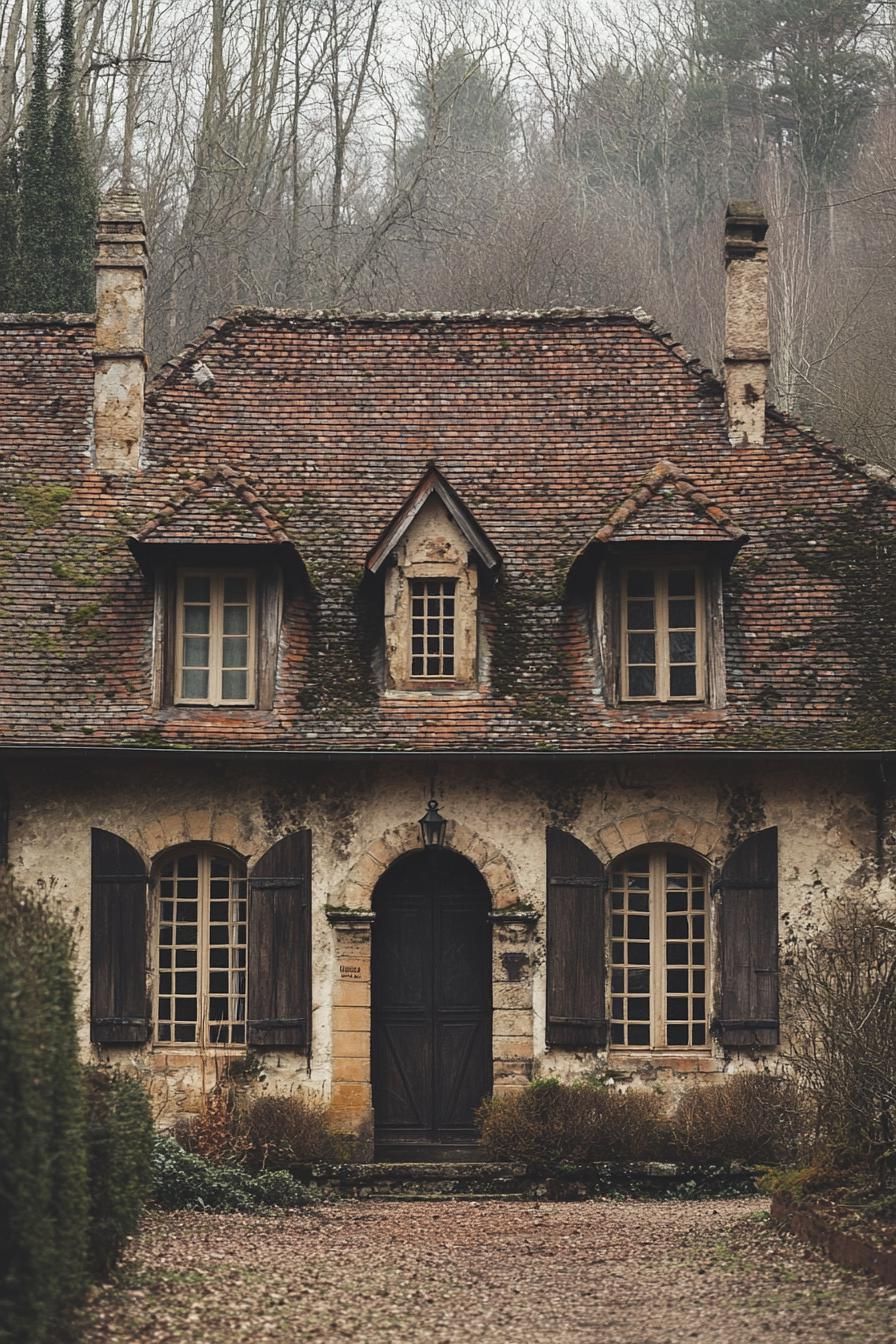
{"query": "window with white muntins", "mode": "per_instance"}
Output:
(663, 634)
(201, 919)
(215, 648)
(659, 950)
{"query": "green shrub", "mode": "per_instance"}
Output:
(43, 1167)
(285, 1132)
(551, 1124)
(747, 1117)
(183, 1180)
(119, 1157)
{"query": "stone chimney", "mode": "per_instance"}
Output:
(746, 322)
(119, 360)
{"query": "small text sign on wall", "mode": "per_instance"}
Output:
(350, 970)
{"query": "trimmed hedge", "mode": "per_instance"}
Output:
(43, 1159)
(183, 1180)
(119, 1162)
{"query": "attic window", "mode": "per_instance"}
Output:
(663, 634)
(215, 649)
(432, 627)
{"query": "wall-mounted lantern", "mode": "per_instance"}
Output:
(432, 826)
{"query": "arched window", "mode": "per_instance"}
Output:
(659, 950)
(201, 949)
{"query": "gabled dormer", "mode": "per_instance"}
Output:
(220, 561)
(432, 557)
(658, 563)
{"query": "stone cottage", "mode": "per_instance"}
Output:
(406, 705)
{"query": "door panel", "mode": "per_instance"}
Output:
(431, 1028)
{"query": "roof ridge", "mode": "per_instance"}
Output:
(190, 353)
(242, 486)
(32, 319)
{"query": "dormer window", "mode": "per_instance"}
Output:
(432, 627)
(663, 642)
(432, 557)
(215, 638)
(658, 565)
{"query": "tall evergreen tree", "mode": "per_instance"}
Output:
(9, 229)
(35, 287)
(73, 199)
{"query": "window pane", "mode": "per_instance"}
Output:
(640, 583)
(196, 620)
(682, 614)
(236, 620)
(641, 649)
(234, 686)
(195, 651)
(640, 615)
(682, 647)
(197, 588)
(641, 681)
(681, 582)
(236, 652)
(236, 589)
(682, 681)
(194, 685)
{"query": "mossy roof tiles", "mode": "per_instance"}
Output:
(543, 424)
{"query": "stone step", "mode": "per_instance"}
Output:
(511, 1181)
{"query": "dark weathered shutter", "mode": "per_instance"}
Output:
(119, 1010)
(748, 941)
(279, 987)
(576, 1010)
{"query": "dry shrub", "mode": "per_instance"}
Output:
(748, 1117)
(839, 1000)
(285, 1132)
(217, 1132)
(550, 1124)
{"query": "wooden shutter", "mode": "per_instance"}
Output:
(576, 976)
(119, 1009)
(279, 972)
(748, 940)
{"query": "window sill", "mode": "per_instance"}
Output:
(698, 1060)
(436, 691)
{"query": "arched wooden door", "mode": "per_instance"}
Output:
(431, 1025)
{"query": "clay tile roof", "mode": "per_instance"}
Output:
(666, 506)
(433, 483)
(216, 507)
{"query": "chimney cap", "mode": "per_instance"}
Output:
(121, 203)
(745, 225)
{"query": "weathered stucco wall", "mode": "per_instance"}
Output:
(364, 813)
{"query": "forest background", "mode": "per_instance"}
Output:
(449, 154)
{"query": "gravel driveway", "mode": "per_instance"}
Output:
(617, 1272)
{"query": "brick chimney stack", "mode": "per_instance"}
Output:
(746, 322)
(119, 358)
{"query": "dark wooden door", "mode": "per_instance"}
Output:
(431, 1028)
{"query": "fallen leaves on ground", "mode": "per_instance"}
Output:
(616, 1271)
